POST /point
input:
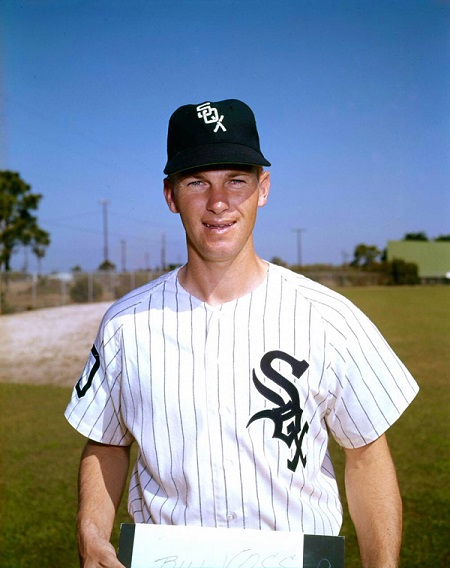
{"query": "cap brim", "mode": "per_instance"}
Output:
(214, 154)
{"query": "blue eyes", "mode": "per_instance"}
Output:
(199, 183)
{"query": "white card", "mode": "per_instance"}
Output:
(162, 546)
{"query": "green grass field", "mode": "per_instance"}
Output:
(40, 452)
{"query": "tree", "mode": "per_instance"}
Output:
(279, 261)
(365, 255)
(107, 266)
(442, 238)
(415, 237)
(18, 225)
(401, 272)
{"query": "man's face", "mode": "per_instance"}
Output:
(218, 209)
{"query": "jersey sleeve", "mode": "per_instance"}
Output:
(95, 408)
(369, 387)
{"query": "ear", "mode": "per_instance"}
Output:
(263, 188)
(169, 195)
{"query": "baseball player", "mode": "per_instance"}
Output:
(230, 373)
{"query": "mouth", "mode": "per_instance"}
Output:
(219, 226)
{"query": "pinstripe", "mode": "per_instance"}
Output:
(155, 452)
(354, 423)
(211, 465)
(197, 453)
(270, 466)
(249, 369)
(279, 327)
(139, 381)
(336, 435)
(177, 376)
(235, 409)
(183, 449)
(168, 426)
(216, 315)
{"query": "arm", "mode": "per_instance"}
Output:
(101, 481)
(374, 503)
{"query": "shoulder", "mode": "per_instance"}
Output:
(321, 298)
(338, 315)
(139, 300)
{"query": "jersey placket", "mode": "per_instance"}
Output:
(218, 376)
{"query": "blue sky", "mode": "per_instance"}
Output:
(352, 100)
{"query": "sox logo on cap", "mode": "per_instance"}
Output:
(211, 115)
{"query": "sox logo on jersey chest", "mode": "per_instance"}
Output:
(287, 415)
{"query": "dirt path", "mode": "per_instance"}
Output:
(48, 346)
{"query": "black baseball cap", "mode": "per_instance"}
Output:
(212, 133)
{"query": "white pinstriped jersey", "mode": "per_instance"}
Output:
(231, 405)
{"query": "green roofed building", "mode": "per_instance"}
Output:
(432, 257)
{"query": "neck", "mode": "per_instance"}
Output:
(219, 282)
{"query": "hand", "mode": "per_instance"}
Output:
(99, 554)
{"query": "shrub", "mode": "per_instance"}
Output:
(401, 272)
(85, 291)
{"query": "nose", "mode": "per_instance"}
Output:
(217, 199)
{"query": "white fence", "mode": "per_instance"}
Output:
(21, 291)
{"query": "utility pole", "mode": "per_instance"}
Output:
(163, 251)
(123, 247)
(299, 232)
(104, 204)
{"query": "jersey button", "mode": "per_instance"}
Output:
(231, 516)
